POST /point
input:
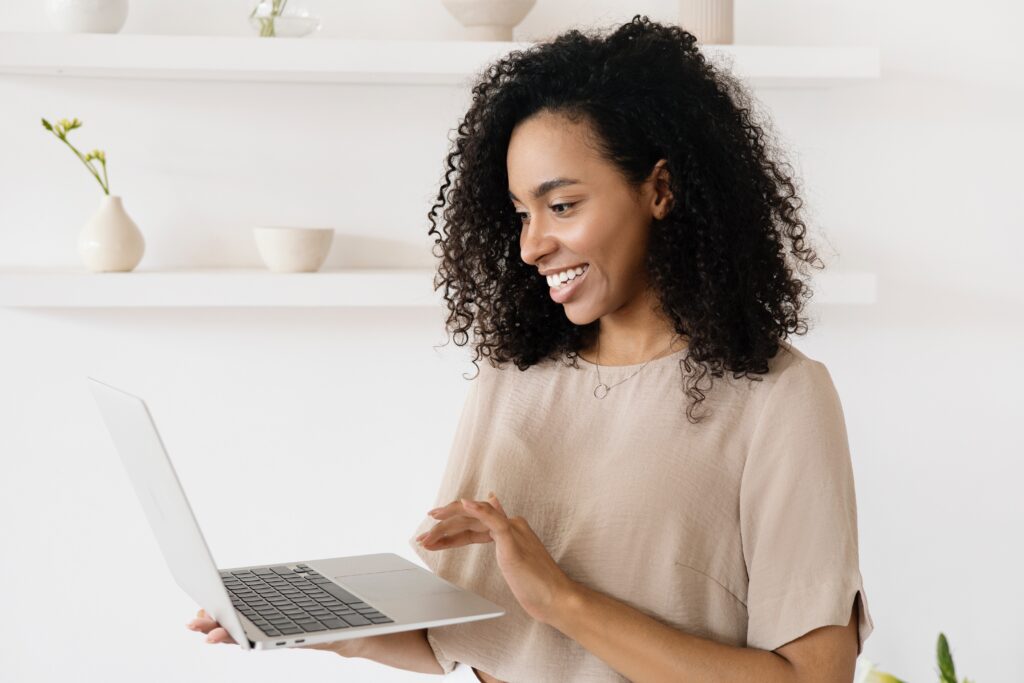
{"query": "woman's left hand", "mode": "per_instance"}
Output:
(536, 580)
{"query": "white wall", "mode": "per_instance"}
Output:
(288, 427)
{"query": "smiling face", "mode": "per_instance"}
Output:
(591, 216)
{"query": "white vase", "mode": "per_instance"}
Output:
(710, 21)
(110, 241)
(489, 19)
(87, 16)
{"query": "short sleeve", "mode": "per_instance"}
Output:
(446, 662)
(798, 514)
(446, 493)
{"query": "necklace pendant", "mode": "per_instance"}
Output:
(601, 390)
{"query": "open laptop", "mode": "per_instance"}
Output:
(287, 603)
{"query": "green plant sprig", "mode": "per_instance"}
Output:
(267, 23)
(61, 130)
(947, 672)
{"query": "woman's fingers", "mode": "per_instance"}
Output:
(450, 527)
(455, 508)
(458, 539)
(446, 511)
(215, 633)
(200, 624)
(219, 635)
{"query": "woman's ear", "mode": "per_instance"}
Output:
(663, 199)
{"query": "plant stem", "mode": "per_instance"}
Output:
(87, 165)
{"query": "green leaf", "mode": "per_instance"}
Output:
(946, 668)
(46, 125)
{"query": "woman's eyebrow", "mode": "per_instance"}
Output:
(547, 186)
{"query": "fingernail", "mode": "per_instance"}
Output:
(421, 536)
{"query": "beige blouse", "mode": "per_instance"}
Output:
(741, 529)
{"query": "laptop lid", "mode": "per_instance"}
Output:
(157, 486)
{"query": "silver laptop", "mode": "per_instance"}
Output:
(287, 603)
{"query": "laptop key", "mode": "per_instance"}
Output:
(355, 620)
(339, 592)
(290, 630)
(333, 622)
(381, 620)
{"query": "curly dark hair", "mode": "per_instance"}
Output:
(717, 260)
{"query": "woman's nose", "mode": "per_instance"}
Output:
(534, 242)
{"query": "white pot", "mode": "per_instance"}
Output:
(110, 241)
(293, 250)
(710, 21)
(87, 16)
(489, 19)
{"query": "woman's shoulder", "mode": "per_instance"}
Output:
(793, 375)
(790, 371)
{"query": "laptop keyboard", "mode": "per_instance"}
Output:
(285, 601)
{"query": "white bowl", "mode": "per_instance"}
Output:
(293, 250)
(88, 16)
(489, 19)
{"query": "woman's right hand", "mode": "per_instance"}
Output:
(215, 633)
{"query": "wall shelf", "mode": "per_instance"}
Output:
(333, 60)
(259, 288)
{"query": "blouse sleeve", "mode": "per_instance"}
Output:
(798, 514)
(457, 455)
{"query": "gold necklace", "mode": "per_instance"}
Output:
(602, 389)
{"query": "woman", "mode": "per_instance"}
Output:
(618, 236)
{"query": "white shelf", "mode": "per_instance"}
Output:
(331, 60)
(259, 288)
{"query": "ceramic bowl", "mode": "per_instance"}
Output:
(489, 19)
(293, 250)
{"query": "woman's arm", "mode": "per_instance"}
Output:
(646, 650)
(636, 645)
(404, 650)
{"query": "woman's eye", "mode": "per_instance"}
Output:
(567, 205)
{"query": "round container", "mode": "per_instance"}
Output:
(87, 16)
(293, 250)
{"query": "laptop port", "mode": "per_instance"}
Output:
(300, 640)
(281, 643)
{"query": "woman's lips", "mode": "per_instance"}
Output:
(565, 292)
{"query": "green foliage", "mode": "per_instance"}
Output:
(60, 129)
(947, 671)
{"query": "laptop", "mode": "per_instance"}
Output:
(284, 604)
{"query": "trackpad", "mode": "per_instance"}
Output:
(403, 583)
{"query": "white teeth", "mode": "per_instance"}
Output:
(560, 278)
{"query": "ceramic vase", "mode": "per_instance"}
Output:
(710, 21)
(110, 241)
